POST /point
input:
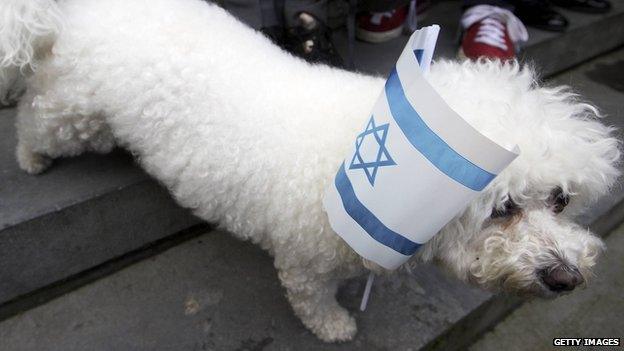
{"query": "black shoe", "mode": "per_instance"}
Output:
(311, 40)
(585, 6)
(539, 14)
(275, 33)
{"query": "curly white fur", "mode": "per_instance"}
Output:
(27, 28)
(249, 137)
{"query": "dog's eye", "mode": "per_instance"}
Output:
(510, 208)
(558, 200)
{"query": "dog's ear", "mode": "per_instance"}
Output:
(603, 165)
(593, 150)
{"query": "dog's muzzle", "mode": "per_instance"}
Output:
(561, 278)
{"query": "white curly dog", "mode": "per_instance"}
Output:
(249, 137)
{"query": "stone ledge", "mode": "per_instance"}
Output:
(586, 37)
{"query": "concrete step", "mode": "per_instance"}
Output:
(91, 215)
(215, 293)
(81, 213)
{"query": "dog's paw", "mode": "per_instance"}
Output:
(336, 326)
(31, 162)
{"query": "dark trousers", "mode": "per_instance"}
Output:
(507, 4)
(267, 13)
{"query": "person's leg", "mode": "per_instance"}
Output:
(247, 11)
(293, 8)
(539, 14)
(307, 34)
(380, 6)
(261, 15)
(506, 4)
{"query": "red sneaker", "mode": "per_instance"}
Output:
(491, 32)
(377, 27)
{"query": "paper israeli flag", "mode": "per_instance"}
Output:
(414, 165)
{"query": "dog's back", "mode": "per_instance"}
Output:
(225, 119)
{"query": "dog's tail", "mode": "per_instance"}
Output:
(28, 28)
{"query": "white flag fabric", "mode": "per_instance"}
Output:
(414, 166)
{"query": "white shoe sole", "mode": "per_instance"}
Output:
(378, 37)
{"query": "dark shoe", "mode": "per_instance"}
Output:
(585, 6)
(311, 40)
(539, 14)
(275, 33)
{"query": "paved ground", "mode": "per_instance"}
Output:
(216, 293)
(594, 312)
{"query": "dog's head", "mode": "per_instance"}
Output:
(519, 234)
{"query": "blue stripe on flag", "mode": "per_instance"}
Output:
(430, 145)
(419, 55)
(367, 220)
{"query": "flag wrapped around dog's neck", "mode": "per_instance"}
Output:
(413, 167)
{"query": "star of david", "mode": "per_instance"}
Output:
(370, 167)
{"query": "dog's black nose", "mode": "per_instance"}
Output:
(562, 279)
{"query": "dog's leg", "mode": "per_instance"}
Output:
(313, 298)
(48, 128)
(29, 160)
(29, 138)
